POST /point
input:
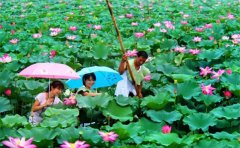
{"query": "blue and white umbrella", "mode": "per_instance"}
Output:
(105, 77)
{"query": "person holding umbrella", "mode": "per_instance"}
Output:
(125, 87)
(44, 100)
(88, 81)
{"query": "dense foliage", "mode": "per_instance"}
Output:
(191, 100)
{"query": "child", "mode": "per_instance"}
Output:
(88, 81)
(44, 100)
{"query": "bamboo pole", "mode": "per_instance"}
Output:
(121, 44)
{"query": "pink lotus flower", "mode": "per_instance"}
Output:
(12, 32)
(8, 92)
(205, 71)
(1, 26)
(227, 94)
(80, 7)
(97, 27)
(53, 34)
(235, 36)
(225, 38)
(55, 30)
(229, 71)
(217, 75)
(199, 29)
(180, 49)
(130, 53)
(134, 24)
(71, 37)
(184, 22)
(218, 21)
(14, 41)
(235, 41)
(129, 16)
(208, 26)
(169, 25)
(147, 78)
(77, 144)
(230, 16)
(139, 35)
(194, 51)
(211, 38)
(150, 29)
(157, 24)
(207, 90)
(70, 101)
(6, 59)
(93, 35)
(197, 39)
(163, 30)
(19, 143)
(166, 129)
(108, 137)
(53, 53)
(186, 16)
(72, 28)
(89, 25)
(37, 35)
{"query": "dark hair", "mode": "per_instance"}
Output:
(87, 77)
(142, 54)
(55, 84)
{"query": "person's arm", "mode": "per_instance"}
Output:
(36, 106)
(123, 64)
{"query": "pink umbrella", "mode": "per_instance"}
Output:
(49, 70)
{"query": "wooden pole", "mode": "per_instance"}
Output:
(121, 43)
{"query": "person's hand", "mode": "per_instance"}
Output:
(124, 58)
(140, 95)
(47, 103)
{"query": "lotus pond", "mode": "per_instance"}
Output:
(192, 99)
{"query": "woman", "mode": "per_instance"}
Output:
(88, 81)
(44, 100)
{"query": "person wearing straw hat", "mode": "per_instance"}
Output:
(44, 100)
(125, 87)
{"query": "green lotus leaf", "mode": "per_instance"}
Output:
(3, 35)
(208, 100)
(7, 132)
(50, 112)
(159, 116)
(157, 102)
(149, 126)
(225, 135)
(232, 81)
(168, 44)
(38, 133)
(218, 31)
(59, 121)
(163, 139)
(188, 89)
(100, 51)
(185, 110)
(32, 84)
(127, 131)
(189, 139)
(206, 44)
(92, 102)
(5, 105)
(14, 120)
(13, 66)
(199, 121)
(70, 134)
(182, 77)
(211, 54)
(117, 112)
(166, 68)
(210, 143)
(91, 135)
(178, 59)
(228, 112)
(124, 101)
(6, 78)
